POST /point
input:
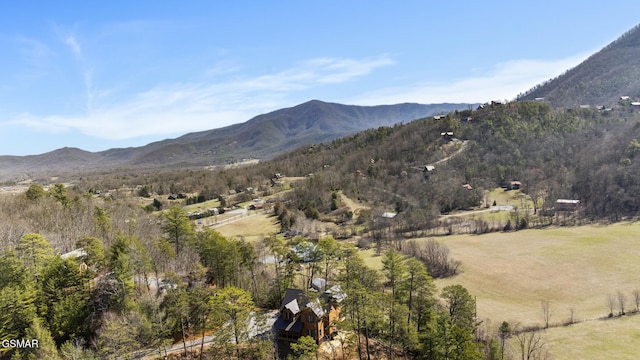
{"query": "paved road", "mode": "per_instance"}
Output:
(255, 329)
(493, 208)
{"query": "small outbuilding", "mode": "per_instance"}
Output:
(567, 205)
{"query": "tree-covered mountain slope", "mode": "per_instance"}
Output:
(584, 154)
(601, 80)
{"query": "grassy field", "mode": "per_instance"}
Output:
(252, 228)
(594, 340)
(372, 260)
(201, 206)
(512, 197)
(575, 268)
(579, 267)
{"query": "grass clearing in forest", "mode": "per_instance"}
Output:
(201, 206)
(251, 228)
(371, 259)
(510, 197)
(354, 205)
(571, 267)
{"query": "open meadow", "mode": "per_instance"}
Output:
(595, 340)
(251, 228)
(580, 270)
(576, 268)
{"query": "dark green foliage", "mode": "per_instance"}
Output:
(64, 300)
(157, 205)
(35, 192)
(224, 258)
(59, 192)
(334, 201)
(145, 191)
(94, 249)
(177, 227)
(17, 310)
(451, 334)
(305, 348)
(34, 251)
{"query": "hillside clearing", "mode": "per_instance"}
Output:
(353, 205)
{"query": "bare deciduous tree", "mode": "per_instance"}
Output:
(572, 315)
(611, 301)
(547, 311)
(531, 345)
(636, 299)
(435, 256)
(622, 299)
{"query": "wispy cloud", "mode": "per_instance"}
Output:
(85, 68)
(74, 46)
(226, 97)
(184, 107)
(342, 70)
(504, 82)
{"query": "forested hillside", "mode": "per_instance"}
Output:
(600, 80)
(584, 154)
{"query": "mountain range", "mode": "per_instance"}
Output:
(262, 137)
(602, 79)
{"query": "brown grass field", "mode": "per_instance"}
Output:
(617, 338)
(574, 268)
(252, 228)
(579, 267)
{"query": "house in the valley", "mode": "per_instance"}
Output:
(567, 205)
(303, 315)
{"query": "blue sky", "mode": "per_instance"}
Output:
(99, 75)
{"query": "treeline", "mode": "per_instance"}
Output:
(403, 309)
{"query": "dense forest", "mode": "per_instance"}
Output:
(143, 277)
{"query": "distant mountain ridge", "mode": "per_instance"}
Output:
(602, 79)
(262, 137)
